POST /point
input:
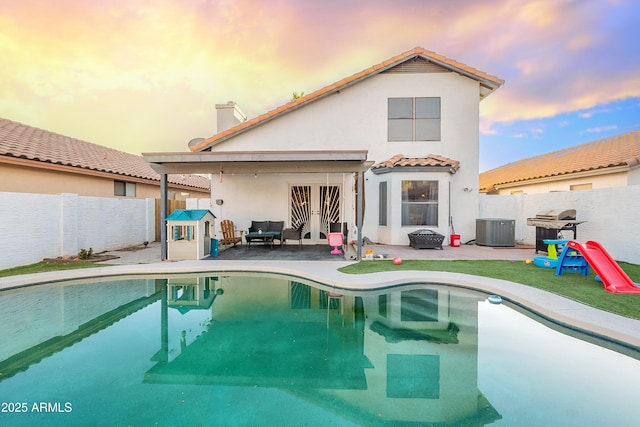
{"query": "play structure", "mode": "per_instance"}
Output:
(576, 257)
(551, 260)
(613, 277)
(571, 261)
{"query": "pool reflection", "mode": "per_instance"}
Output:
(407, 355)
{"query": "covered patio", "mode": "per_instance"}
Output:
(288, 252)
(254, 163)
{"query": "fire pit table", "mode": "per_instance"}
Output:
(425, 239)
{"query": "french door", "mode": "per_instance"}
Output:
(314, 206)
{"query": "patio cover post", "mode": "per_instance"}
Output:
(164, 195)
(360, 213)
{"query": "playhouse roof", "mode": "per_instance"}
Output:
(189, 214)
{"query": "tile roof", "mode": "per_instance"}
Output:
(430, 160)
(620, 150)
(25, 142)
(487, 79)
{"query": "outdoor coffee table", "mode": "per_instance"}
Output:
(265, 237)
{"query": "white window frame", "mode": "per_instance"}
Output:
(414, 119)
(426, 203)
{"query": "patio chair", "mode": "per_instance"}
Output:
(339, 227)
(229, 233)
(293, 234)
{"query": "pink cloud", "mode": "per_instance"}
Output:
(555, 56)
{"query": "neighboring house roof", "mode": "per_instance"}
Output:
(398, 162)
(621, 150)
(189, 214)
(25, 142)
(488, 83)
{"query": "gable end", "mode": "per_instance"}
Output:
(417, 64)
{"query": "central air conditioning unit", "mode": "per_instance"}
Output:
(495, 232)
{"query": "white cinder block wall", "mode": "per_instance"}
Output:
(611, 215)
(38, 226)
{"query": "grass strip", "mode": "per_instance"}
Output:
(45, 266)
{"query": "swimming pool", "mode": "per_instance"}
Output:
(259, 349)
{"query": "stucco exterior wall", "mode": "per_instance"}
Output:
(356, 119)
(266, 197)
(53, 181)
(611, 216)
(633, 177)
(619, 179)
(394, 233)
(38, 226)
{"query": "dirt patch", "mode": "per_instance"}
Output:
(76, 260)
(101, 257)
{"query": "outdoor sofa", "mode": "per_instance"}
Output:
(267, 227)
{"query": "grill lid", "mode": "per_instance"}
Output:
(557, 214)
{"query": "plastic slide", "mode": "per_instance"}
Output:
(613, 277)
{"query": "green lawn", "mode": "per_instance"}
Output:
(44, 266)
(584, 289)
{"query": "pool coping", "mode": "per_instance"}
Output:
(563, 311)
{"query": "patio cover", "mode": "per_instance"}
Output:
(262, 162)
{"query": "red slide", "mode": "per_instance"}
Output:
(613, 277)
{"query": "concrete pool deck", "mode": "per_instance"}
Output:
(622, 330)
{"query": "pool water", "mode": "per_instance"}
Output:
(246, 349)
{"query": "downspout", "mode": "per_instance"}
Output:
(164, 195)
(360, 215)
(450, 216)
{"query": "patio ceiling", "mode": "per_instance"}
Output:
(247, 162)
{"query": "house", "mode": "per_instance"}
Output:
(39, 161)
(405, 130)
(608, 162)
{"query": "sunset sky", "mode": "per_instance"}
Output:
(144, 76)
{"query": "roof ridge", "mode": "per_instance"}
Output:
(340, 84)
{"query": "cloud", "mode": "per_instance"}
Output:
(601, 129)
(556, 57)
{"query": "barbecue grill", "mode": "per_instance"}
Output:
(550, 224)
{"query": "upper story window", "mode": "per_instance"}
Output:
(127, 189)
(414, 119)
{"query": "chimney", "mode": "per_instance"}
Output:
(229, 115)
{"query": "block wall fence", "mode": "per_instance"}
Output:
(38, 226)
(612, 216)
